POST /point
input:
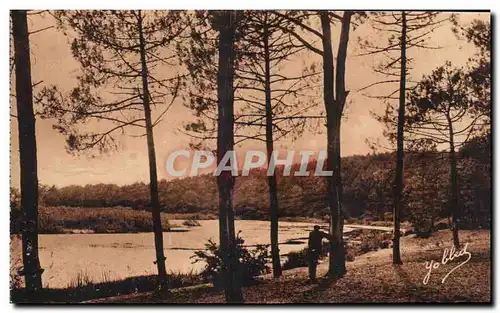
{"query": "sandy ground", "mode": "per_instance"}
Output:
(371, 278)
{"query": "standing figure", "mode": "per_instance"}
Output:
(315, 246)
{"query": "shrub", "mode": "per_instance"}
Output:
(251, 263)
(350, 254)
(300, 258)
(296, 259)
(441, 226)
(421, 225)
(364, 240)
(16, 219)
(423, 233)
(373, 241)
(388, 217)
(15, 211)
(16, 280)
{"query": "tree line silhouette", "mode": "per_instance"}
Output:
(367, 181)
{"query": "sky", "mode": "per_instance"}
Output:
(53, 63)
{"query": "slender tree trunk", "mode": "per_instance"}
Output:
(153, 176)
(331, 163)
(225, 143)
(398, 191)
(27, 153)
(455, 215)
(334, 107)
(271, 180)
(340, 99)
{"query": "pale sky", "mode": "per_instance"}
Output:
(53, 64)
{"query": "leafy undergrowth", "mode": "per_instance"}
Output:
(359, 241)
(371, 278)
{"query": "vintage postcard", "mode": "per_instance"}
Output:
(250, 156)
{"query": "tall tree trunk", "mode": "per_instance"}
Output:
(271, 180)
(340, 99)
(225, 143)
(27, 153)
(398, 191)
(153, 176)
(334, 106)
(331, 128)
(455, 215)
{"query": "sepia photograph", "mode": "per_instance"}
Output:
(250, 156)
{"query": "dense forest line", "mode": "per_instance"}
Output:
(367, 190)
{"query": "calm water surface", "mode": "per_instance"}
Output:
(116, 256)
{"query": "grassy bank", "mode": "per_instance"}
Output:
(59, 220)
(81, 288)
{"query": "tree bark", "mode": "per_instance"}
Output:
(153, 176)
(334, 106)
(398, 190)
(225, 143)
(455, 215)
(328, 97)
(341, 96)
(271, 180)
(27, 153)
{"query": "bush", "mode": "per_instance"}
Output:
(16, 219)
(421, 225)
(251, 262)
(388, 217)
(15, 211)
(296, 259)
(350, 254)
(371, 241)
(441, 226)
(423, 233)
(16, 280)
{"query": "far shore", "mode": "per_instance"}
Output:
(118, 220)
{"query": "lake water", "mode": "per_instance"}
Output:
(117, 256)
